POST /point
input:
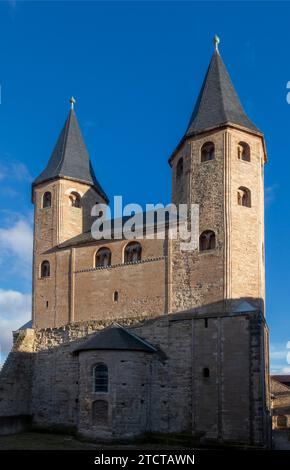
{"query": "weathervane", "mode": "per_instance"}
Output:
(72, 102)
(216, 41)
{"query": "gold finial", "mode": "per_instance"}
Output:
(216, 41)
(72, 102)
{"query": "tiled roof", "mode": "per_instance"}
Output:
(115, 338)
(147, 222)
(283, 379)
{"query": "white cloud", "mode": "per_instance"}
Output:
(17, 240)
(90, 124)
(19, 171)
(270, 193)
(278, 355)
(12, 4)
(13, 172)
(279, 358)
(15, 311)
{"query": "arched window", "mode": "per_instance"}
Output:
(207, 152)
(75, 199)
(100, 412)
(133, 252)
(45, 269)
(205, 372)
(116, 296)
(100, 378)
(103, 257)
(244, 152)
(282, 421)
(244, 197)
(207, 240)
(46, 200)
(179, 169)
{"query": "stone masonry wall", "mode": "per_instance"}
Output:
(75, 288)
(228, 405)
(235, 269)
(197, 278)
(245, 228)
(128, 396)
(52, 226)
(16, 377)
(140, 290)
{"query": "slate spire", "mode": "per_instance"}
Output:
(218, 103)
(70, 158)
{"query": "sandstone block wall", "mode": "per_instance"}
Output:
(128, 396)
(75, 289)
(16, 377)
(52, 226)
(245, 227)
(235, 269)
(140, 290)
(163, 392)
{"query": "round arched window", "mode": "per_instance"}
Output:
(244, 152)
(244, 197)
(45, 269)
(100, 378)
(46, 200)
(133, 252)
(75, 199)
(103, 257)
(207, 152)
(207, 240)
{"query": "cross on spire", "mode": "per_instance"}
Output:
(72, 102)
(216, 41)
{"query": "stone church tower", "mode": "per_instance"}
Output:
(63, 196)
(219, 165)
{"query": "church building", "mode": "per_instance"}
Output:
(134, 337)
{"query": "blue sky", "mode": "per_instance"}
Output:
(135, 69)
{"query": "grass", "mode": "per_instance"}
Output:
(42, 441)
(58, 441)
(52, 441)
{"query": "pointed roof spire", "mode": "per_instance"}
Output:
(70, 158)
(217, 104)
